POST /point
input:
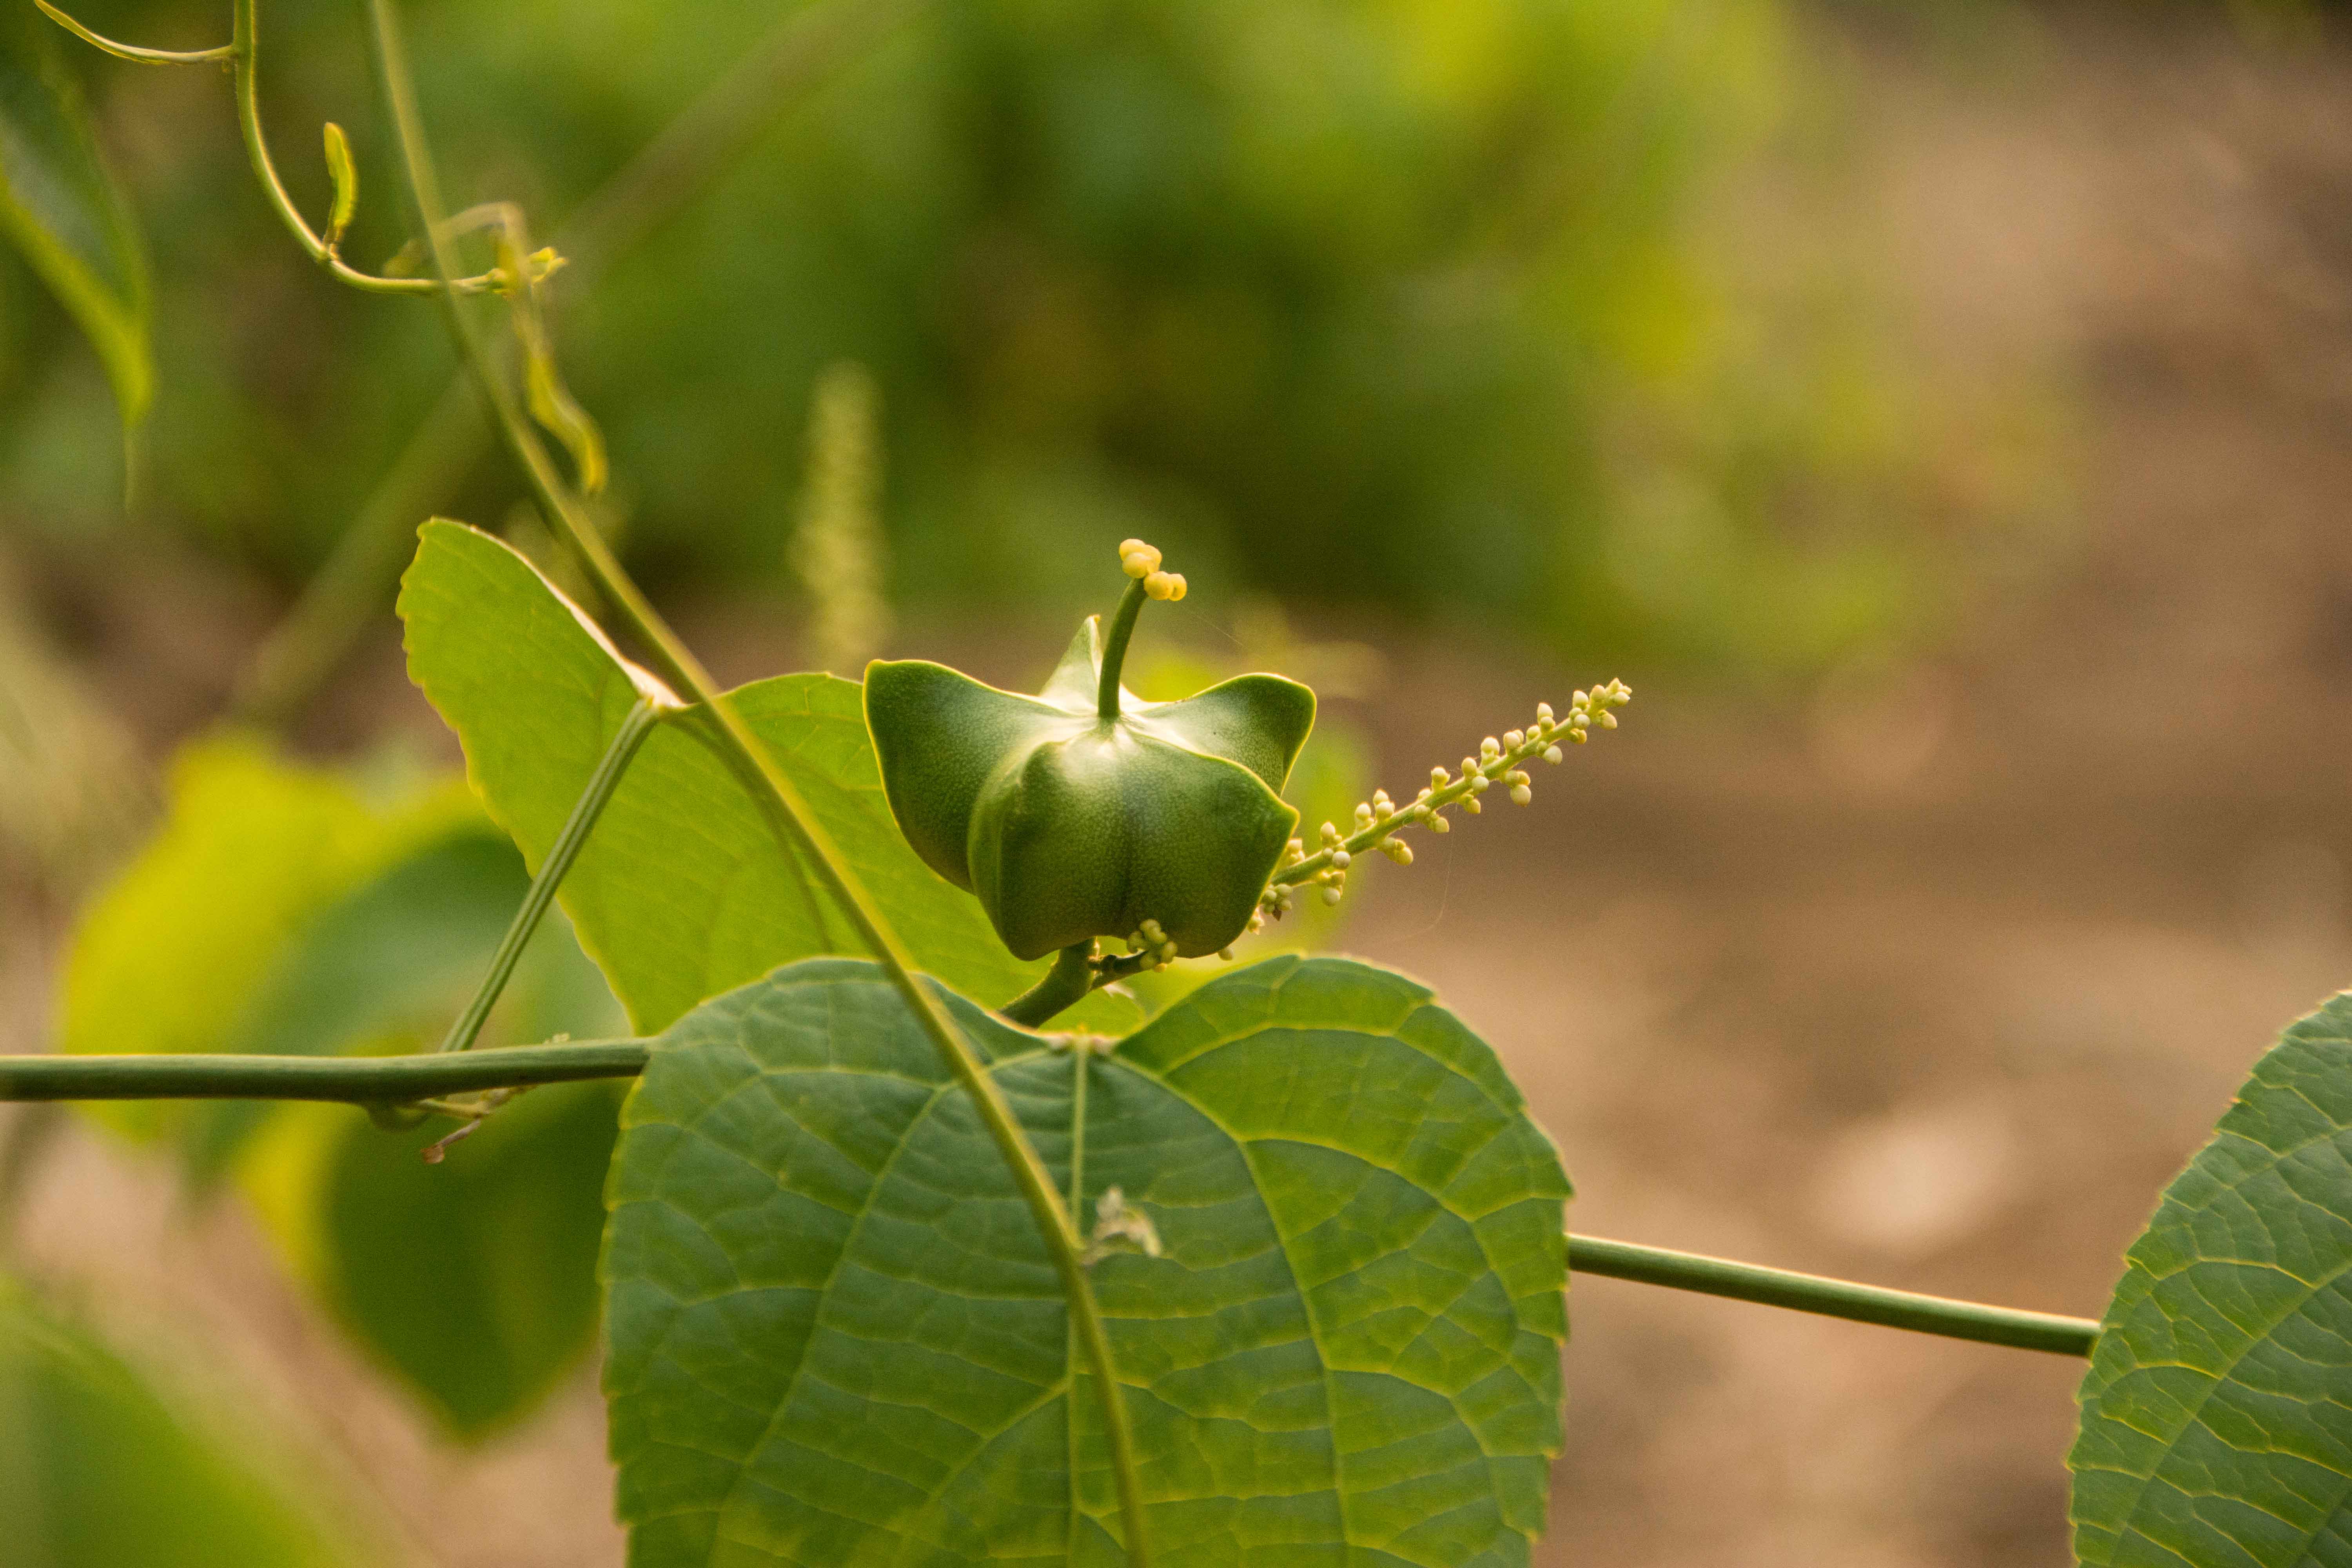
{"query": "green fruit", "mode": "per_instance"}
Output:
(1082, 812)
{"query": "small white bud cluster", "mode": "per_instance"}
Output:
(1333, 877)
(1141, 562)
(1499, 760)
(1157, 945)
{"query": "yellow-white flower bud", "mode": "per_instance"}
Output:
(1341, 858)
(1521, 795)
(1138, 559)
(1551, 755)
(1437, 823)
(1543, 712)
(1331, 895)
(1512, 740)
(1163, 585)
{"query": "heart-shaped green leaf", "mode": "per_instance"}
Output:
(683, 889)
(836, 1336)
(2217, 1416)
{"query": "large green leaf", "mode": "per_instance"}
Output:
(2217, 1416)
(835, 1336)
(683, 889)
(98, 1471)
(59, 206)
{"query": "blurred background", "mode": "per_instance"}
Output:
(1936, 412)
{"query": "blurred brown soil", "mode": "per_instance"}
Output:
(1932, 975)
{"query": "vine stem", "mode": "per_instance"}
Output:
(350, 1080)
(706, 140)
(395, 1081)
(244, 54)
(636, 726)
(779, 799)
(1954, 1319)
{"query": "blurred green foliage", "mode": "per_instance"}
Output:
(473, 1279)
(1400, 303)
(98, 1470)
(299, 911)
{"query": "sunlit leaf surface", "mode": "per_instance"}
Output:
(684, 889)
(835, 1337)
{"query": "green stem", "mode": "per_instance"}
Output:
(1079, 1056)
(636, 726)
(244, 54)
(1832, 1297)
(218, 55)
(695, 148)
(1115, 641)
(1063, 985)
(779, 801)
(393, 1080)
(354, 1080)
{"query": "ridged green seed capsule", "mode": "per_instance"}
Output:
(1083, 811)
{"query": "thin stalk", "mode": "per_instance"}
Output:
(781, 802)
(1063, 985)
(220, 54)
(398, 1080)
(635, 727)
(1832, 1297)
(1078, 1063)
(1475, 780)
(354, 1081)
(1115, 641)
(700, 144)
(244, 53)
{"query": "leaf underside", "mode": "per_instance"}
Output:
(2216, 1415)
(836, 1338)
(684, 889)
